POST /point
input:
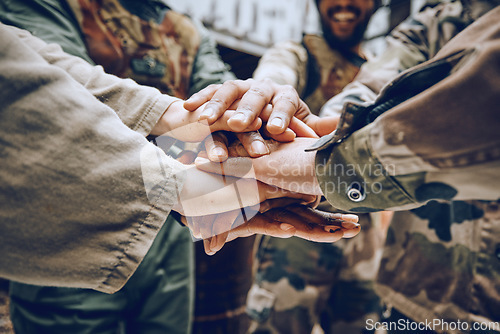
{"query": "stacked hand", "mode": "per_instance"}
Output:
(253, 185)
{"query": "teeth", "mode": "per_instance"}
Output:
(344, 16)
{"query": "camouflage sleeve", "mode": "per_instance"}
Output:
(208, 66)
(441, 142)
(139, 107)
(286, 64)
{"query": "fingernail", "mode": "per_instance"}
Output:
(277, 122)
(332, 229)
(201, 161)
(213, 244)
(349, 225)
(207, 113)
(238, 116)
(287, 227)
(218, 151)
(259, 148)
(206, 245)
(350, 218)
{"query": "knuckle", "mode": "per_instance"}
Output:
(217, 102)
(286, 99)
(259, 91)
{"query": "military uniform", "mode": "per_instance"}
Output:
(432, 134)
(317, 71)
(298, 283)
(154, 46)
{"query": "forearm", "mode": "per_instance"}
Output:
(139, 107)
(285, 64)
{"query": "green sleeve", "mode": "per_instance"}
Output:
(50, 20)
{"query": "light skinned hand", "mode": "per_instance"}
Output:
(288, 166)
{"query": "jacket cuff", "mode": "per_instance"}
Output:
(353, 179)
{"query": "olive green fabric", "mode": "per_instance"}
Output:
(156, 299)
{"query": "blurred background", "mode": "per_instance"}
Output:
(245, 29)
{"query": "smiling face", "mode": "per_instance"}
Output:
(346, 20)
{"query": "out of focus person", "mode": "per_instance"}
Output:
(300, 284)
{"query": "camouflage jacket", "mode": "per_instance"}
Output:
(317, 71)
(147, 42)
(431, 137)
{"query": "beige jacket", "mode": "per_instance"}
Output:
(82, 192)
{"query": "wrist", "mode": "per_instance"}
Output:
(163, 126)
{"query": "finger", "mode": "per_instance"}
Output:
(252, 103)
(222, 99)
(322, 126)
(201, 97)
(222, 224)
(205, 224)
(216, 147)
(221, 227)
(238, 150)
(253, 143)
(284, 137)
(352, 232)
(346, 221)
(237, 166)
(260, 224)
(186, 157)
(214, 244)
(277, 203)
(195, 228)
(285, 104)
(301, 129)
(304, 229)
(221, 124)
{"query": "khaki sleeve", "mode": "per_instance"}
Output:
(139, 107)
(285, 64)
(441, 142)
(82, 196)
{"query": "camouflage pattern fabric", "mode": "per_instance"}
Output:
(441, 260)
(159, 55)
(330, 70)
(313, 68)
(300, 283)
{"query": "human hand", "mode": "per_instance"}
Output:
(254, 97)
(207, 193)
(288, 166)
(284, 222)
(184, 125)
